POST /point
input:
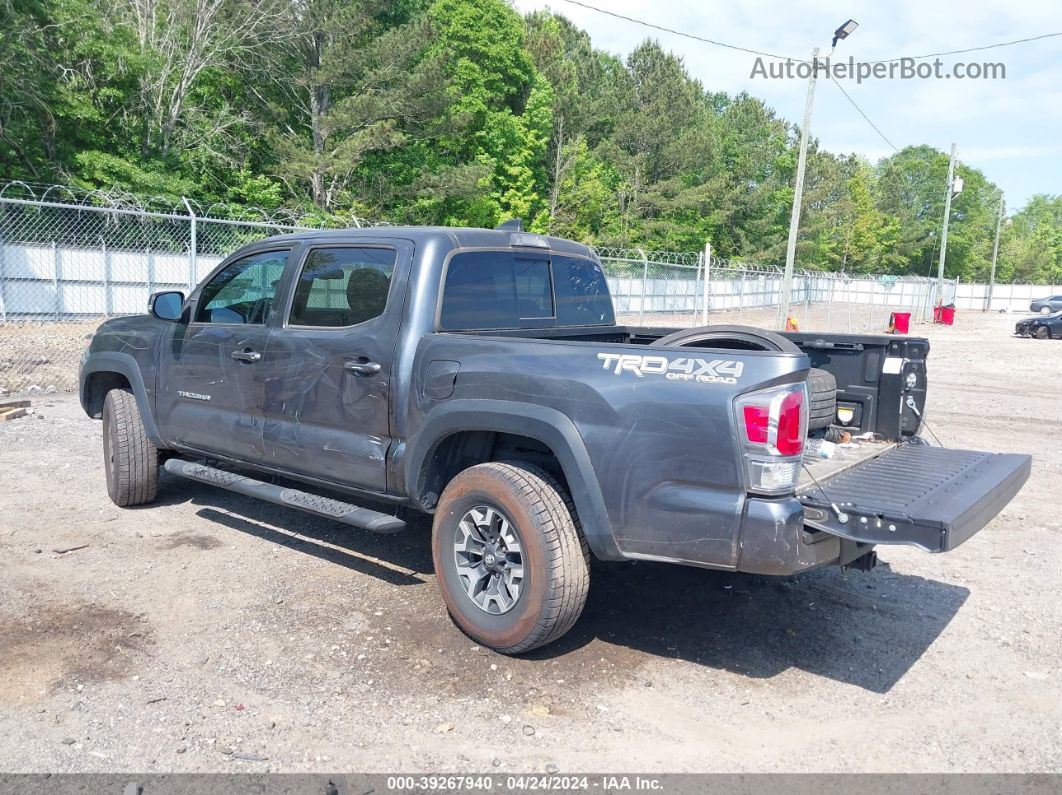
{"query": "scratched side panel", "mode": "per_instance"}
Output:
(207, 400)
(663, 450)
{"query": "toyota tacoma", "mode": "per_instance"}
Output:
(481, 376)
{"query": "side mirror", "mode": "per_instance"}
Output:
(168, 305)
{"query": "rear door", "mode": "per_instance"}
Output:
(327, 387)
(209, 389)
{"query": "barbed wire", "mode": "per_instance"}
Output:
(721, 267)
(294, 218)
(124, 201)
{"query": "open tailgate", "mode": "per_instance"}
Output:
(931, 497)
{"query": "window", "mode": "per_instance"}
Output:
(534, 293)
(342, 286)
(582, 293)
(242, 291)
(495, 289)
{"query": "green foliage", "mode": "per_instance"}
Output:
(462, 112)
(1031, 245)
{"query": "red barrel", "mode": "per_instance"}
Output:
(900, 322)
(947, 315)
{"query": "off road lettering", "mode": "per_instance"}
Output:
(708, 371)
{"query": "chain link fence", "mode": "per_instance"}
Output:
(69, 260)
(652, 288)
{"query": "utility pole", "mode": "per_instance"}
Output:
(995, 254)
(944, 234)
(707, 281)
(798, 194)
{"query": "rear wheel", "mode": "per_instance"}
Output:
(510, 560)
(130, 460)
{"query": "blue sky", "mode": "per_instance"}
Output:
(1010, 129)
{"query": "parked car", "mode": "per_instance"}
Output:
(480, 376)
(1042, 327)
(1053, 303)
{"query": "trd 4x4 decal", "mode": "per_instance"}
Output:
(705, 371)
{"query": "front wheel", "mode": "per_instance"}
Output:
(1045, 310)
(510, 559)
(1042, 333)
(130, 459)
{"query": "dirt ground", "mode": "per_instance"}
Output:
(41, 358)
(213, 633)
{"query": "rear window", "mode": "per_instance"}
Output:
(501, 290)
(582, 293)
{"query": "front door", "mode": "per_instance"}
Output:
(327, 390)
(209, 394)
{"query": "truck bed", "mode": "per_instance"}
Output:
(843, 459)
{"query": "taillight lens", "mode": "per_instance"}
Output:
(774, 422)
(791, 424)
(757, 419)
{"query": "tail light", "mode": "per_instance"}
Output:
(773, 423)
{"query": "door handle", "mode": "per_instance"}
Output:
(362, 366)
(246, 356)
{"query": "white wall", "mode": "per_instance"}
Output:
(55, 281)
(1005, 297)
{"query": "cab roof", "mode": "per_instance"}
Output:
(455, 236)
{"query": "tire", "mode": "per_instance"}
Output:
(130, 460)
(1042, 333)
(822, 399)
(553, 556)
(1045, 310)
(746, 338)
(822, 386)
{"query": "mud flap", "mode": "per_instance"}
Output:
(930, 497)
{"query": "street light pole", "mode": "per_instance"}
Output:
(995, 254)
(944, 234)
(798, 194)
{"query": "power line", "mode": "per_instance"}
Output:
(861, 113)
(970, 49)
(643, 23)
(686, 35)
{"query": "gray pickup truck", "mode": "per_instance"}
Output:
(480, 376)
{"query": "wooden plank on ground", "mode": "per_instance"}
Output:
(11, 414)
(14, 404)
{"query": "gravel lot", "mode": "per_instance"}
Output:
(214, 633)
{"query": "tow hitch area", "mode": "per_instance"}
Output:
(929, 497)
(865, 562)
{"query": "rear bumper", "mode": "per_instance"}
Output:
(774, 539)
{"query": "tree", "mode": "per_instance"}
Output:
(362, 82)
(462, 112)
(181, 42)
(587, 85)
(912, 185)
(505, 104)
(1031, 245)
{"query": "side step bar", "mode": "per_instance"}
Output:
(365, 518)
